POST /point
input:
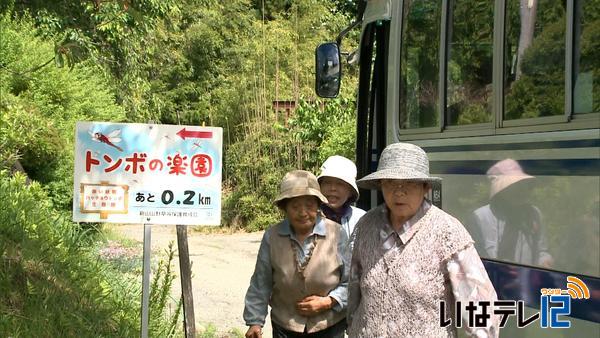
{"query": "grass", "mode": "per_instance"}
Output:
(53, 284)
(223, 229)
(210, 331)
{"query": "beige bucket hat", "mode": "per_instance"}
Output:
(504, 174)
(299, 183)
(342, 168)
(400, 161)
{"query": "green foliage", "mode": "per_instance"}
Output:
(262, 146)
(54, 286)
(40, 105)
(108, 31)
(116, 35)
(254, 167)
(590, 56)
(539, 90)
(470, 63)
(419, 64)
(474, 113)
(312, 125)
(190, 62)
(53, 283)
(210, 331)
(339, 140)
(163, 323)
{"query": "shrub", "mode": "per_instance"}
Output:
(40, 104)
(54, 285)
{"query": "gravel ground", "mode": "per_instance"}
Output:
(222, 265)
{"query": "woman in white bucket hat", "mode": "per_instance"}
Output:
(300, 270)
(410, 258)
(338, 184)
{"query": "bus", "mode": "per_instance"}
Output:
(504, 96)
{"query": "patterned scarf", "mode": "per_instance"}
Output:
(336, 216)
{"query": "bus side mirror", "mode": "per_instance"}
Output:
(328, 70)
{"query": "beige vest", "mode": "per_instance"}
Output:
(322, 274)
(401, 290)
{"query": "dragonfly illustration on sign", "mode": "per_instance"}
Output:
(110, 139)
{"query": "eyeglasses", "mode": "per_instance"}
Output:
(400, 185)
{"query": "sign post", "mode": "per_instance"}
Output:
(146, 281)
(186, 281)
(150, 174)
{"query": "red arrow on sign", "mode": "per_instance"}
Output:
(194, 134)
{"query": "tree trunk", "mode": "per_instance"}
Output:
(17, 167)
(528, 11)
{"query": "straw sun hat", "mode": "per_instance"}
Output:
(505, 174)
(299, 183)
(400, 161)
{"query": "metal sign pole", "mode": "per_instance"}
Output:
(146, 280)
(186, 282)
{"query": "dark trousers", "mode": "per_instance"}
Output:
(334, 331)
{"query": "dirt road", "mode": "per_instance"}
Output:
(222, 265)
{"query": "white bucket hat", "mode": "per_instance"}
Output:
(399, 161)
(342, 168)
(299, 183)
(504, 174)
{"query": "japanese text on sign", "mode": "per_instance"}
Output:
(141, 173)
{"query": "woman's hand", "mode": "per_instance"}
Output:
(254, 331)
(313, 305)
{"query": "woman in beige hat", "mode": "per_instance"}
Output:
(409, 257)
(338, 184)
(300, 270)
(510, 226)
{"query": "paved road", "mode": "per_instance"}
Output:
(222, 265)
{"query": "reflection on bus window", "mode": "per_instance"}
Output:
(420, 64)
(534, 77)
(510, 226)
(470, 36)
(516, 216)
(586, 60)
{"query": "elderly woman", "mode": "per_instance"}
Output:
(300, 271)
(410, 258)
(338, 184)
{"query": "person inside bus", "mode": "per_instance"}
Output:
(510, 227)
(338, 184)
(410, 258)
(300, 269)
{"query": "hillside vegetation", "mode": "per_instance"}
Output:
(189, 62)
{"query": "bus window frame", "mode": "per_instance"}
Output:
(371, 104)
(499, 125)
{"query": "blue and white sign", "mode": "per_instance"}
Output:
(147, 173)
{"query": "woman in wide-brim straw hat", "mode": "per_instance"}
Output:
(510, 226)
(300, 270)
(409, 256)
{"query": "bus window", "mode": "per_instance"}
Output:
(534, 79)
(586, 98)
(469, 72)
(419, 66)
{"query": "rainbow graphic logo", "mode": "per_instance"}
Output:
(576, 289)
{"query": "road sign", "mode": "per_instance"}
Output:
(147, 173)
